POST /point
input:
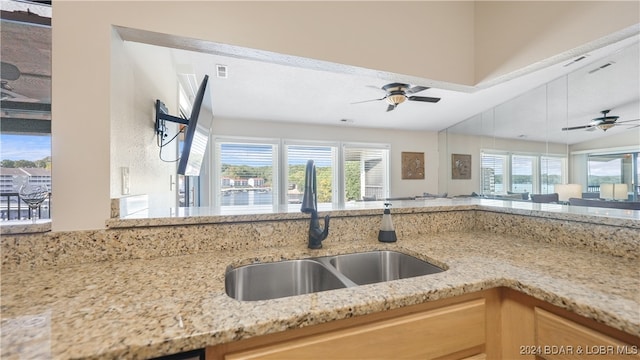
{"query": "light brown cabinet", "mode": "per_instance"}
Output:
(426, 335)
(534, 329)
(492, 324)
(558, 338)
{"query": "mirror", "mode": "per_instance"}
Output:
(524, 125)
(520, 146)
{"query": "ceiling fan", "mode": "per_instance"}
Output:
(397, 93)
(604, 123)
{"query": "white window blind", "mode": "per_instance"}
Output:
(265, 175)
(366, 173)
(324, 159)
(492, 169)
(246, 174)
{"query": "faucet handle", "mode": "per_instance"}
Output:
(317, 234)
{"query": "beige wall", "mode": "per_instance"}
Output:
(433, 40)
(531, 31)
(133, 145)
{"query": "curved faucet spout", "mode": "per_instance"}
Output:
(310, 197)
(310, 206)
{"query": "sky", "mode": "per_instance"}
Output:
(24, 147)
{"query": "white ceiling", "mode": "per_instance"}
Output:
(308, 91)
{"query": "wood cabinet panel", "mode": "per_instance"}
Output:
(497, 323)
(427, 335)
(517, 328)
(558, 338)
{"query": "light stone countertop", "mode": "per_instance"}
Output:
(144, 308)
(206, 215)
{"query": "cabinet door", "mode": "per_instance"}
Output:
(426, 335)
(558, 338)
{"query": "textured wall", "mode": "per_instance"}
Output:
(25, 252)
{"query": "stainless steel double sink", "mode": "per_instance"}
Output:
(263, 281)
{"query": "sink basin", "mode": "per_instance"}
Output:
(264, 281)
(280, 279)
(378, 266)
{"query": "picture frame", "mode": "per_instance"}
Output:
(412, 165)
(460, 166)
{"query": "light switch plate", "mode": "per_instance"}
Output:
(125, 180)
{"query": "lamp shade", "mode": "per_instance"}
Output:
(620, 191)
(614, 191)
(567, 191)
(606, 191)
(395, 99)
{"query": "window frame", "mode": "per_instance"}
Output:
(386, 178)
(213, 177)
(284, 170)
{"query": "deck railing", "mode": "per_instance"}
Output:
(13, 208)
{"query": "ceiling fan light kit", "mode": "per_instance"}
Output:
(395, 99)
(603, 123)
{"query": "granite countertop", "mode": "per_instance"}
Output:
(208, 215)
(145, 308)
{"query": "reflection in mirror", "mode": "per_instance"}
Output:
(556, 134)
(25, 120)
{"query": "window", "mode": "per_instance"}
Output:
(247, 177)
(324, 158)
(551, 173)
(614, 169)
(366, 172)
(604, 169)
(518, 173)
(523, 174)
(493, 169)
(25, 119)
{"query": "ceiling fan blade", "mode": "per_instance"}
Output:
(364, 101)
(390, 107)
(416, 89)
(626, 121)
(376, 87)
(578, 127)
(423, 99)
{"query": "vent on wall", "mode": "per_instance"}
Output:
(576, 60)
(222, 71)
(602, 67)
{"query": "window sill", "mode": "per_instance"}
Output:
(15, 227)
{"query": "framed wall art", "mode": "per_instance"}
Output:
(460, 166)
(412, 165)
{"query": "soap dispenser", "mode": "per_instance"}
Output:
(387, 232)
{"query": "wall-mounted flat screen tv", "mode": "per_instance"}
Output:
(197, 132)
